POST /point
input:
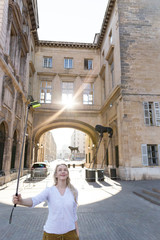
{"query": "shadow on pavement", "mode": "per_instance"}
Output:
(122, 216)
(94, 184)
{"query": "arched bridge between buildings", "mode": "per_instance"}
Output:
(44, 122)
(69, 123)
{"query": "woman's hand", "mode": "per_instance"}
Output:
(27, 202)
(17, 199)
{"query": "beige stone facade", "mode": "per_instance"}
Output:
(78, 140)
(113, 82)
(47, 149)
(18, 24)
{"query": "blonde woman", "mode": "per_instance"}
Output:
(62, 204)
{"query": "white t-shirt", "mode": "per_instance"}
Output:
(62, 210)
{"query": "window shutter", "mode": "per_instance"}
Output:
(44, 62)
(159, 153)
(144, 155)
(146, 113)
(157, 113)
(85, 64)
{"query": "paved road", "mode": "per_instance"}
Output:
(107, 210)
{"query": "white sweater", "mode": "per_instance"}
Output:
(62, 210)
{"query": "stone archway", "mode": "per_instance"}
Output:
(5, 167)
(66, 123)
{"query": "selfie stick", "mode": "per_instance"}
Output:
(34, 105)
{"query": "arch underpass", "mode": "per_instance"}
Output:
(69, 123)
(44, 126)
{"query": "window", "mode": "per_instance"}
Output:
(68, 63)
(47, 62)
(45, 92)
(112, 73)
(8, 98)
(111, 70)
(110, 37)
(151, 113)
(19, 108)
(88, 64)
(88, 90)
(150, 154)
(12, 47)
(22, 70)
(67, 92)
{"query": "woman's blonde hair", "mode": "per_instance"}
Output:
(68, 183)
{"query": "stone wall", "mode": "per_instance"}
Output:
(139, 45)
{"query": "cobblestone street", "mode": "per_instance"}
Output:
(107, 210)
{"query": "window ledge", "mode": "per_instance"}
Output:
(110, 51)
(46, 73)
(88, 76)
(102, 69)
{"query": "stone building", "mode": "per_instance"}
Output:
(78, 140)
(130, 58)
(46, 148)
(49, 146)
(113, 82)
(18, 37)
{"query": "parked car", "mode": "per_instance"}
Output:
(39, 169)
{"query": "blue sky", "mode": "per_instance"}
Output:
(70, 20)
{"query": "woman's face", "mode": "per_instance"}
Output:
(62, 172)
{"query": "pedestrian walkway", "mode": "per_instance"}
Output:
(107, 210)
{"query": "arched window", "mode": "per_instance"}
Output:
(2, 142)
(14, 146)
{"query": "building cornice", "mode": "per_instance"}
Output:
(105, 21)
(34, 18)
(67, 44)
